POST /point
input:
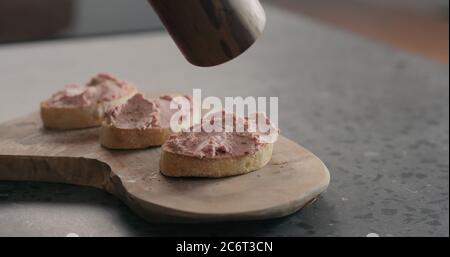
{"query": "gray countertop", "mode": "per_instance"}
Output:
(377, 117)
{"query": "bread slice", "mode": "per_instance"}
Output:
(144, 126)
(77, 107)
(126, 139)
(78, 117)
(178, 165)
(222, 145)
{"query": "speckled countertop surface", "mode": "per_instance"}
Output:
(377, 117)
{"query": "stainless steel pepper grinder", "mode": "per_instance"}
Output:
(211, 32)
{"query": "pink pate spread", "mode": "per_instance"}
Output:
(140, 112)
(205, 144)
(101, 88)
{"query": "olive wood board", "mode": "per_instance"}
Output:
(293, 178)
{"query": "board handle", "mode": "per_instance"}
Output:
(67, 170)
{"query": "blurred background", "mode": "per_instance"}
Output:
(419, 26)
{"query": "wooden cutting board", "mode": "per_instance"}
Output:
(293, 178)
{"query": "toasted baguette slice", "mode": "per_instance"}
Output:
(178, 165)
(136, 135)
(118, 138)
(78, 117)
